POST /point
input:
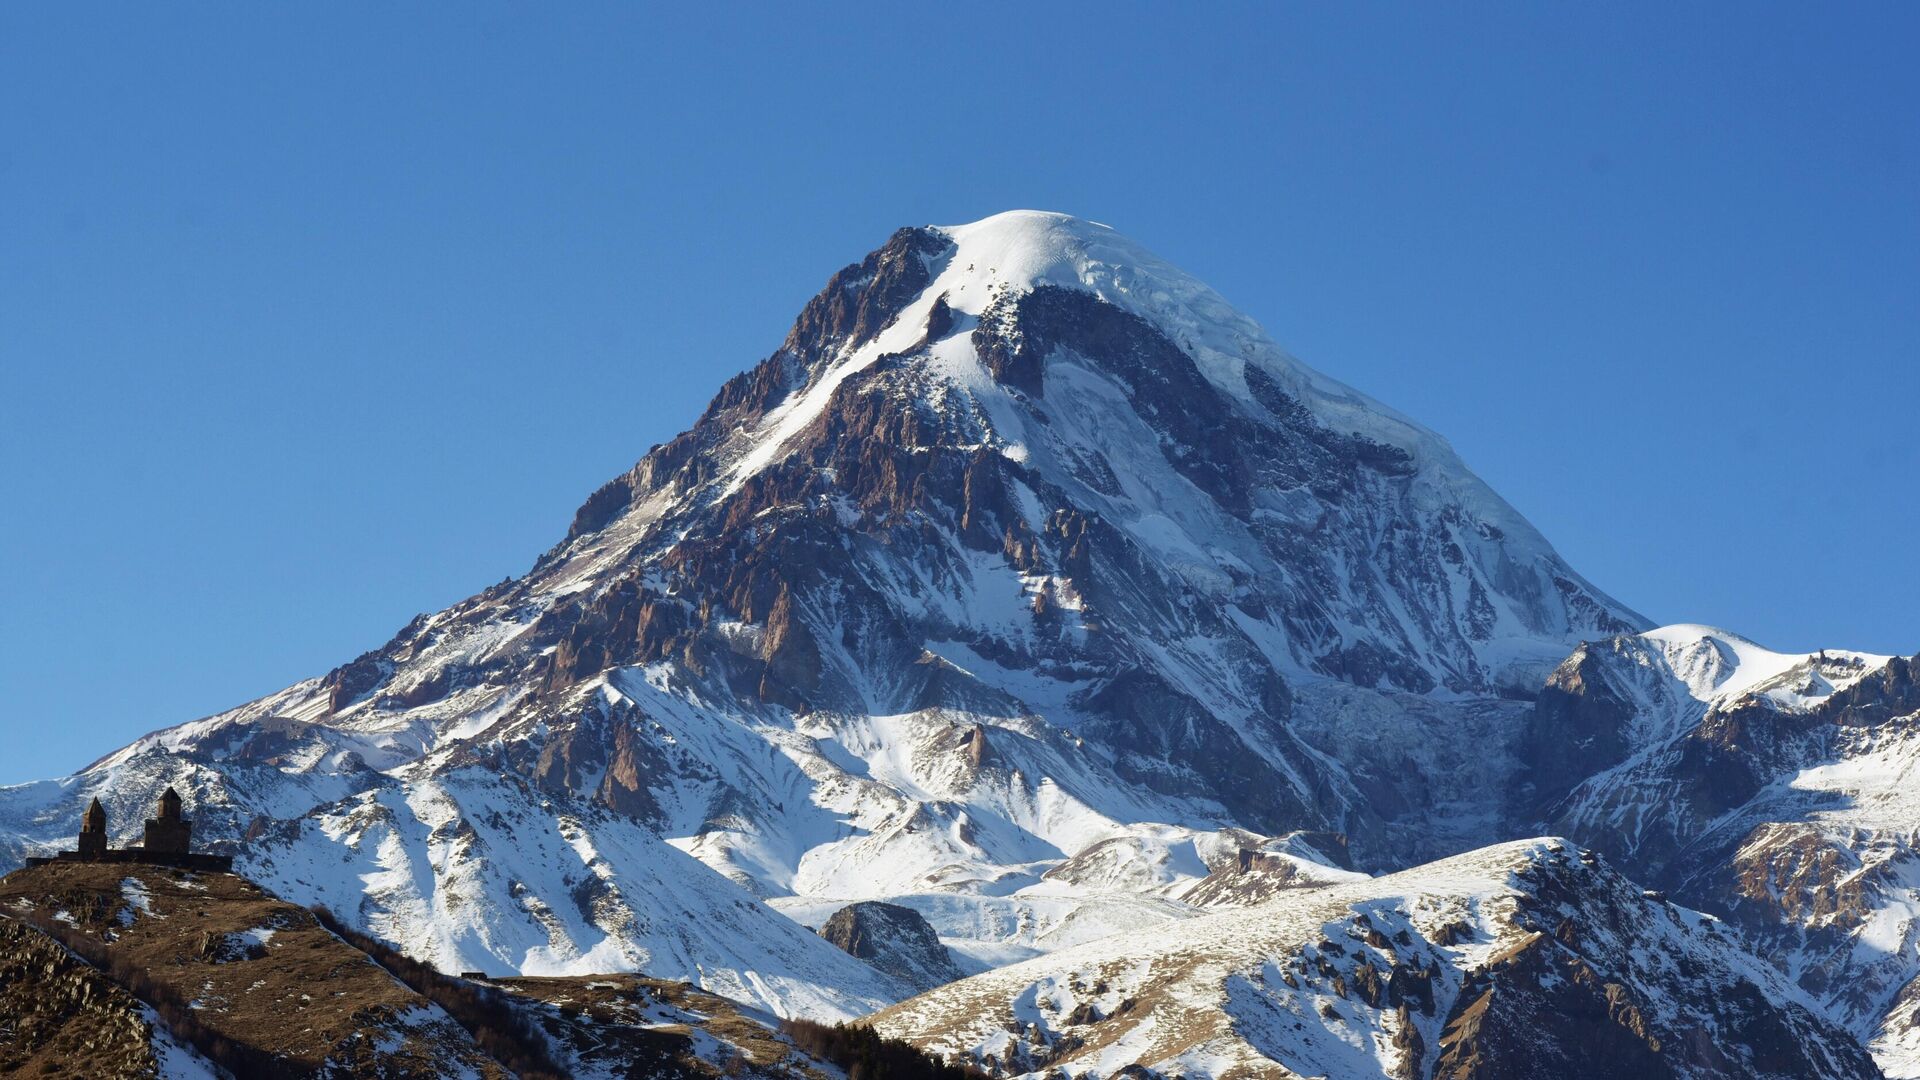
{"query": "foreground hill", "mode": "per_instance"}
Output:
(260, 976)
(64, 1016)
(129, 970)
(1526, 960)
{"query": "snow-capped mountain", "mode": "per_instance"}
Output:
(1525, 959)
(1031, 587)
(1016, 549)
(1781, 791)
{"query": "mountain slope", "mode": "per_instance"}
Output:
(1023, 545)
(1522, 960)
(1777, 790)
(260, 977)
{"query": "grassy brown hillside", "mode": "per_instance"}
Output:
(124, 970)
(252, 982)
(61, 1017)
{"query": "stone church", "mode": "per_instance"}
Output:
(168, 841)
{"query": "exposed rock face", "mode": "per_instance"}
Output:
(895, 939)
(1527, 960)
(64, 1017)
(1541, 1010)
(1579, 727)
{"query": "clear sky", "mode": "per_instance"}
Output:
(312, 322)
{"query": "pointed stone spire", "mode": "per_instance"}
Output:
(169, 833)
(93, 829)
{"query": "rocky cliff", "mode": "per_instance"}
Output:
(897, 940)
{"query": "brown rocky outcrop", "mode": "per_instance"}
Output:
(62, 1016)
(897, 940)
(1577, 728)
(252, 981)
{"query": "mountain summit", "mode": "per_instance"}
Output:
(1026, 583)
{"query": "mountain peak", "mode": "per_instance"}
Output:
(1029, 248)
(1021, 250)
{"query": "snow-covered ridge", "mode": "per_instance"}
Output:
(1775, 788)
(1026, 249)
(1373, 978)
(1718, 666)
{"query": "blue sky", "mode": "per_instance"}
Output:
(310, 322)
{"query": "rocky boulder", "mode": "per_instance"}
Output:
(895, 939)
